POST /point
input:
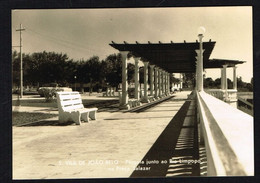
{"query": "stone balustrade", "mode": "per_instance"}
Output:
(229, 95)
(228, 135)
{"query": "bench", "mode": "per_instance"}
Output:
(134, 102)
(151, 98)
(110, 92)
(71, 108)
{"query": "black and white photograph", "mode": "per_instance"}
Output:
(132, 92)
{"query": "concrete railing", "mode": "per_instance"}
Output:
(229, 95)
(228, 136)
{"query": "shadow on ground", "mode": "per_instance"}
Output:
(178, 141)
(49, 123)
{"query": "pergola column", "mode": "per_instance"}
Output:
(146, 81)
(222, 79)
(166, 83)
(180, 80)
(152, 80)
(156, 82)
(124, 102)
(160, 82)
(225, 77)
(163, 82)
(200, 65)
(167, 79)
(169, 84)
(234, 78)
(137, 84)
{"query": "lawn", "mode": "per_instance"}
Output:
(20, 118)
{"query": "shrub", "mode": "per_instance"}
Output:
(49, 94)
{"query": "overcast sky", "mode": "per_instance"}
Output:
(82, 33)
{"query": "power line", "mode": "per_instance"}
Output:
(67, 43)
(21, 61)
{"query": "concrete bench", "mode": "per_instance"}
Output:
(134, 102)
(71, 108)
(109, 93)
(151, 98)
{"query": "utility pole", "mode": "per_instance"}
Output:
(21, 61)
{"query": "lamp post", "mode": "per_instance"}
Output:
(75, 77)
(199, 82)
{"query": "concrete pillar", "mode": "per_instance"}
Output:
(234, 78)
(159, 82)
(224, 76)
(180, 80)
(200, 64)
(156, 82)
(124, 102)
(137, 84)
(169, 84)
(222, 79)
(165, 83)
(197, 71)
(162, 91)
(152, 80)
(162, 83)
(164, 80)
(145, 81)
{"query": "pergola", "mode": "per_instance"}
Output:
(171, 57)
(165, 59)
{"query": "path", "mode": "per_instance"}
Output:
(110, 147)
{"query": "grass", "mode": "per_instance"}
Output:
(20, 118)
(34, 103)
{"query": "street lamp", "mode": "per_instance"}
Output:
(199, 82)
(75, 77)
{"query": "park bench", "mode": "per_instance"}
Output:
(134, 102)
(110, 92)
(151, 98)
(71, 108)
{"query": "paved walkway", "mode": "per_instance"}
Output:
(111, 146)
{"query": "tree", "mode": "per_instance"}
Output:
(130, 72)
(48, 67)
(188, 80)
(217, 83)
(112, 70)
(89, 71)
(16, 68)
(240, 83)
(229, 84)
(208, 83)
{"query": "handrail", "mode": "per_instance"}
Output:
(228, 137)
(246, 102)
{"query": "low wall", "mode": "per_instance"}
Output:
(228, 136)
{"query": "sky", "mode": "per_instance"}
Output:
(83, 33)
